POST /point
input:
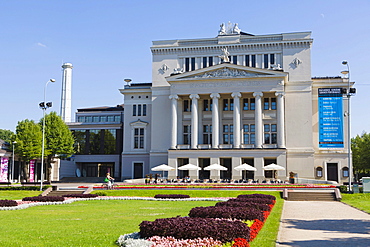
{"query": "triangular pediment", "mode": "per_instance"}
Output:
(226, 71)
(139, 123)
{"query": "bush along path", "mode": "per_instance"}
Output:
(235, 222)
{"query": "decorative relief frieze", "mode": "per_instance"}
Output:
(216, 84)
(225, 73)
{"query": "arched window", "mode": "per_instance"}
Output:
(345, 172)
(318, 172)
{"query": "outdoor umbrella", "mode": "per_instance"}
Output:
(245, 167)
(216, 167)
(189, 167)
(273, 167)
(163, 168)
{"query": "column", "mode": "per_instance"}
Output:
(236, 118)
(280, 119)
(258, 119)
(174, 99)
(215, 120)
(194, 120)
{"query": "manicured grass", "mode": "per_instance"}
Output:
(17, 194)
(100, 223)
(360, 201)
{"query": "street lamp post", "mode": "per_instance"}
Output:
(349, 92)
(12, 174)
(43, 105)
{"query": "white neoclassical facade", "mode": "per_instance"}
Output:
(233, 99)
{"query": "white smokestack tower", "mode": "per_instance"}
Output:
(66, 104)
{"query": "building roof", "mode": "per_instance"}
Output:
(102, 108)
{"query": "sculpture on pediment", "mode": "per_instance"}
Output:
(236, 29)
(275, 67)
(225, 55)
(222, 29)
(229, 29)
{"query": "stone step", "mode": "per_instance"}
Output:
(311, 196)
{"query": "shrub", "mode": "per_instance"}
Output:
(240, 213)
(343, 188)
(24, 187)
(257, 196)
(44, 199)
(81, 195)
(8, 203)
(254, 200)
(259, 206)
(171, 196)
(100, 193)
(192, 228)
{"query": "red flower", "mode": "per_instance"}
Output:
(240, 242)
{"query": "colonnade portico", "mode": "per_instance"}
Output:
(217, 121)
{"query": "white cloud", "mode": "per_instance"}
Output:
(41, 44)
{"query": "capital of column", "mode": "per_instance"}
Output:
(194, 96)
(215, 96)
(258, 95)
(280, 94)
(174, 97)
(236, 95)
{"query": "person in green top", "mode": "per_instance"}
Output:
(109, 180)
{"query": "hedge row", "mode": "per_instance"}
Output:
(44, 199)
(171, 196)
(8, 203)
(81, 195)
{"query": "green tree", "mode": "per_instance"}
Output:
(59, 140)
(28, 137)
(361, 153)
(6, 135)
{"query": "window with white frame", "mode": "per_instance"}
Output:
(227, 134)
(249, 135)
(187, 134)
(138, 138)
(270, 134)
(249, 104)
(269, 103)
(207, 105)
(207, 134)
(228, 104)
(139, 110)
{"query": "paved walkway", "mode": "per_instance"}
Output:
(316, 223)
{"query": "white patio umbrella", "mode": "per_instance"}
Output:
(216, 167)
(163, 168)
(273, 167)
(245, 167)
(189, 167)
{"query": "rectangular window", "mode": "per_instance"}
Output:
(273, 103)
(207, 105)
(228, 137)
(231, 104)
(266, 104)
(81, 119)
(253, 61)
(187, 64)
(110, 118)
(226, 104)
(186, 105)
(247, 60)
(133, 110)
(117, 119)
(207, 134)
(103, 119)
(193, 63)
(270, 133)
(88, 119)
(266, 61)
(139, 110)
(235, 59)
(272, 58)
(204, 62)
(245, 104)
(210, 61)
(144, 110)
(248, 134)
(253, 104)
(186, 134)
(138, 138)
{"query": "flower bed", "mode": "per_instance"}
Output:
(240, 213)
(193, 228)
(171, 196)
(259, 206)
(8, 203)
(44, 199)
(81, 195)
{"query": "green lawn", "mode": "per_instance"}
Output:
(360, 201)
(17, 194)
(100, 223)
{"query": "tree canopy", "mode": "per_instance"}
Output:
(6, 135)
(28, 137)
(361, 153)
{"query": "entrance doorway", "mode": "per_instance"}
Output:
(332, 171)
(248, 174)
(227, 163)
(204, 162)
(138, 170)
(181, 162)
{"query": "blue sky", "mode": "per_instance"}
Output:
(109, 40)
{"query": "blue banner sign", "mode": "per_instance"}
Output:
(331, 118)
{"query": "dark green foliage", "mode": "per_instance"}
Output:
(44, 199)
(33, 188)
(8, 203)
(6, 135)
(240, 213)
(259, 206)
(271, 197)
(171, 196)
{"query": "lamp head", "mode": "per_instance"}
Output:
(52, 80)
(14, 142)
(344, 62)
(344, 72)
